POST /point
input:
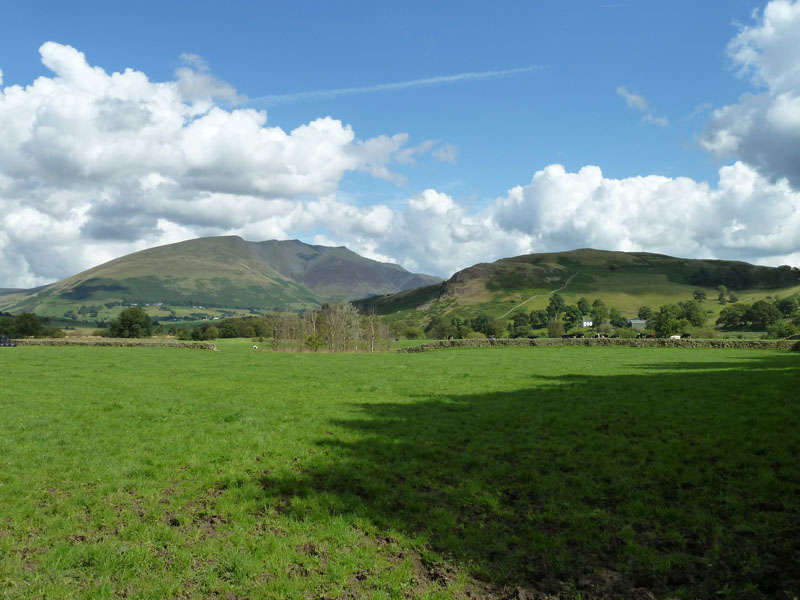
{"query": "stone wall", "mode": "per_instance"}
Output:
(116, 342)
(618, 342)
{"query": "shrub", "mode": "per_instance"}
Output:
(413, 333)
(626, 332)
(703, 333)
(475, 335)
(606, 329)
(781, 329)
(555, 328)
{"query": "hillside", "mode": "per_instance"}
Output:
(337, 273)
(625, 280)
(223, 272)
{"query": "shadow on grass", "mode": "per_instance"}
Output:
(666, 481)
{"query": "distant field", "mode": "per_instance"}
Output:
(579, 472)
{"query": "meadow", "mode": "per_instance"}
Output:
(484, 473)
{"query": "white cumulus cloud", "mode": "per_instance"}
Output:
(763, 128)
(744, 217)
(96, 164)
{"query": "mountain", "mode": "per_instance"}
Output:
(223, 271)
(625, 280)
(338, 273)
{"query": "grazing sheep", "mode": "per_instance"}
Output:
(255, 347)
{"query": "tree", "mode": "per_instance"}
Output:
(556, 306)
(439, 329)
(723, 294)
(495, 328)
(572, 316)
(132, 322)
(693, 312)
(342, 324)
(519, 319)
(733, 316)
(538, 318)
(699, 295)
(459, 325)
(599, 312)
(7, 325)
(374, 328)
(520, 325)
(787, 306)
(211, 333)
(480, 323)
(645, 312)
(762, 314)
(666, 321)
(227, 330)
(584, 306)
(616, 318)
(28, 324)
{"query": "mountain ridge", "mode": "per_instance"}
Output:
(628, 279)
(225, 271)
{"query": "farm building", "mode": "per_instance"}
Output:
(638, 324)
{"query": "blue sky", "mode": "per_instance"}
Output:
(627, 87)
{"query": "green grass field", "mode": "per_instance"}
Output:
(494, 473)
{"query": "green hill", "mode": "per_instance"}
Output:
(221, 272)
(624, 280)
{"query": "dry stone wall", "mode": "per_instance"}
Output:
(115, 342)
(606, 342)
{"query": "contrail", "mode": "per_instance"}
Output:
(276, 99)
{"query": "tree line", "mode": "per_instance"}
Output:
(671, 319)
(556, 318)
(779, 317)
(336, 327)
(743, 276)
(27, 325)
(559, 317)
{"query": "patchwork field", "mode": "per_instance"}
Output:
(494, 473)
